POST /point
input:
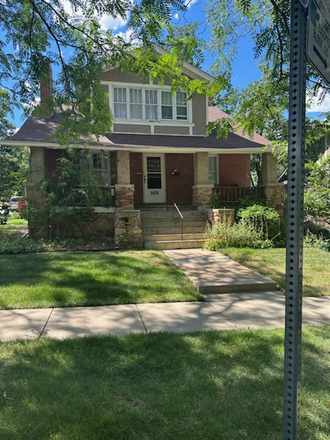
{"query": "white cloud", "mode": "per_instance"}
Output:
(176, 16)
(108, 22)
(313, 104)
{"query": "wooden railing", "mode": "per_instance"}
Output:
(230, 194)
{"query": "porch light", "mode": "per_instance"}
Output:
(175, 173)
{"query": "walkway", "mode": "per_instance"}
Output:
(252, 308)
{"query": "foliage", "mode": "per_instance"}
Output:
(241, 235)
(260, 218)
(47, 33)
(316, 241)
(4, 213)
(70, 196)
(317, 195)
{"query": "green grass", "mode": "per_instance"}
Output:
(212, 385)
(13, 229)
(85, 278)
(271, 263)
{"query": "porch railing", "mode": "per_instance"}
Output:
(102, 196)
(230, 194)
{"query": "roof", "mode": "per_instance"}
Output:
(215, 113)
(37, 131)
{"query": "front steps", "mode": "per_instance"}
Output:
(162, 229)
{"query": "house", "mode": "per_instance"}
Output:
(156, 155)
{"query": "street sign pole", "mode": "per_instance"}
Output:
(294, 243)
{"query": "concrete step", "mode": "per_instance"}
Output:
(174, 244)
(165, 223)
(236, 286)
(197, 215)
(170, 230)
(175, 237)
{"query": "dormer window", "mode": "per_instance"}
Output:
(149, 105)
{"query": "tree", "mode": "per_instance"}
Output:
(39, 32)
(267, 22)
(317, 195)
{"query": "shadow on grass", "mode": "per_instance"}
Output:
(70, 279)
(214, 385)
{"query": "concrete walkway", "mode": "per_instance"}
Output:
(225, 311)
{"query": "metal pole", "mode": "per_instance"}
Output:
(294, 243)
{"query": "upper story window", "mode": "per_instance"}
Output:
(120, 102)
(149, 105)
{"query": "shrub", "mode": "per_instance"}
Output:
(316, 241)
(240, 235)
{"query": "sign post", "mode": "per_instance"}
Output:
(294, 240)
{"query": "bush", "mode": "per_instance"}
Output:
(21, 246)
(316, 241)
(240, 235)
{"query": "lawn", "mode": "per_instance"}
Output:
(58, 279)
(271, 263)
(14, 228)
(212, 385)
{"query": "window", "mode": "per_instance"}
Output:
(135, 99)
(214, 169)
(167, 105)
(151, 104)
(98, 162)
(181, 106)
(120, 107)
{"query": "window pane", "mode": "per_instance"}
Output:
(136, 111)
(151, 97)
(135, 96)
(151, 112)
(167, 112)
(153, 164)
(120, 110)
(119, 95)
(181, 98)
(181, 113)
(166, 98)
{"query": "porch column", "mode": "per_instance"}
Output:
(202, 190)
(127, 222)
(36, 195)
(274, 192)
(124, 190)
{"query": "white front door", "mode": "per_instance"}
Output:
(154, 187)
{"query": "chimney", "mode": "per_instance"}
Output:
(46, 89)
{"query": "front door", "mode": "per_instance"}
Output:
(154, 188)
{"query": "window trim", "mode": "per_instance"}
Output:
(176, 119)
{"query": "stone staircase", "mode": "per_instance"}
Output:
(161, 229)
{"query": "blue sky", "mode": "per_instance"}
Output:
(245, 67)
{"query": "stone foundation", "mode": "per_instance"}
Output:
(274, 195)
(128, 232)
(201, 197)
(125, 196)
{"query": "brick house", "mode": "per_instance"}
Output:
(156, 156)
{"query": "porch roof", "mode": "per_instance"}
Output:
(37, 132)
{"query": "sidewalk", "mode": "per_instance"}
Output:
(219, 312)
(252, 303)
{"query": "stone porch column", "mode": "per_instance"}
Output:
(202, 190)
(36, 195)
(124, 190)
(128, 232)
(274, 192)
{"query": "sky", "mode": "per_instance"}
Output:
(245, 67)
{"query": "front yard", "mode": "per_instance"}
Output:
(212, 385)
(271, 263)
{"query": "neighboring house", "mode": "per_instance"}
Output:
(157, 153)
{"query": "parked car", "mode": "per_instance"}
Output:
(17, 203)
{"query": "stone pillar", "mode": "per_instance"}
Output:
(269, 169)
(202, 190)
(274, 192)
(128, 232)
(123, 189)
(36, 195)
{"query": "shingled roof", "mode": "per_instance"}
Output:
(38, 132)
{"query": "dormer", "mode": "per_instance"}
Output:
(145, 107)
